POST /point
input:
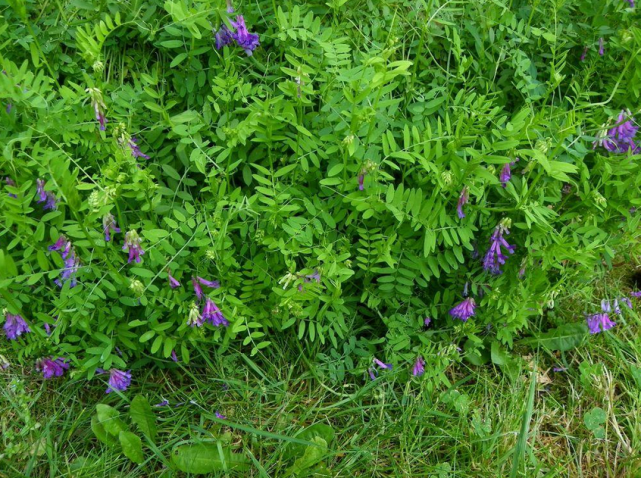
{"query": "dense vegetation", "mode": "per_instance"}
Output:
(383, 190)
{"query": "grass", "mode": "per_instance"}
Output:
(485, 424)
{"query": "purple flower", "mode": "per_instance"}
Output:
(174, 357)
(361, 181)
(41, 190)
(599, 323)
(620, 138)
(11, 182)
(464, 310)
(316, 277)
(132, 245)
(601, 48)
(559, 369)
(15, 326)
(173, 283)
(585, 52)
(46, 197)
(69, 272)
(220, 416)
(52, 367)
(52, 202)
(118, 380)
(197, 289)
(372, 373)
(605, 306)
(109, 225)
(135, 150)
(494, 256)
(506, 173)
(213, 315)
(59, 245)
(98, 105)
(631, 2)
(100, 116)
(230, 7)
(214, 284)
(419, 367)
(9, 108)
(462, 201)
(616, 307)
(382, 365)
(247, 41)
(223, 37)
(626, 301)
(636, 293)
(164, 403)
(427, 321)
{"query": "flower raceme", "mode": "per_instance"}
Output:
(463, 310)
(14, 326)
(419, 367)
(98, 106)
(109, 225)
(247, 41)
(494, 257)
(198, 290)
(599, 323)
(47, 197)
(506, 172)
(132, 245)
(51, 367)
(118, 380)
(213, 315)
(462, 201)
(620, 138)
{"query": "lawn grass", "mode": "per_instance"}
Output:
(485, 424)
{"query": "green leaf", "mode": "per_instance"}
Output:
(563, 338)
(109, 419)
(100, 432)
(308, 434)
(142, 415)
(207, 458)
(311, 457)
(131, 446)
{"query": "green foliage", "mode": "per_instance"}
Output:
(207, 458)
(111, 430)
(254, 175)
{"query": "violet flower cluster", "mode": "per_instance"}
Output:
(464, 309)
(98, 106)
(46, 197)
(494, 257)
(419, 367)
(109, 225)
(14, 326)
(239, 34)
(210, 313)
(118, 380)
(135, 149)
(506, 172)
(601, 322)
(463, 199)
(51, 367)
(373, 372)
(620, 138)
(132, 245)
(71, 262)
